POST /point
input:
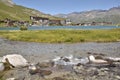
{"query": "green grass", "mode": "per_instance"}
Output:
(63, 36)
(17, 12)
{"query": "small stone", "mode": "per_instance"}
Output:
(117, 77)
(66, 60)
(32, 69)
(104, 69)
(102, 73)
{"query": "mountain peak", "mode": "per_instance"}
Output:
(115, 8)
(110, 15)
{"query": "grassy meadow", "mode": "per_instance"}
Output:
(63, 36)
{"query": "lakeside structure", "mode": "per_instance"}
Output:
(43, 21)
(94, 23)
(9, 22)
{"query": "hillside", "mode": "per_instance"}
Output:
(111, 15)
(8, 9)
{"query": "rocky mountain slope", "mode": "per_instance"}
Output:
(111, 15)
(8, 9)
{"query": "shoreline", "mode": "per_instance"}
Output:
(35, 52)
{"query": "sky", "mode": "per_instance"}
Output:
(67, 6)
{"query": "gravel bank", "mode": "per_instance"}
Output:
(43, 51)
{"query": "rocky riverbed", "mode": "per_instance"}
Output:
(42, 52)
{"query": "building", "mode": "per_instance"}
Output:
(39, 20)
(55, 22)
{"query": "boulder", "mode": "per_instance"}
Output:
(15, 60)
(98, 61)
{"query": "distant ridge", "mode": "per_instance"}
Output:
(111, 15)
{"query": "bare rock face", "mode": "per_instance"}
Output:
(8, 2)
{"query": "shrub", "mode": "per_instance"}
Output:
(23, 28)
(82, 40)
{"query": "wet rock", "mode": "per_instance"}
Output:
(33, 69)
(46, 64)
(66, 59)
(89, 53)
(44, 72)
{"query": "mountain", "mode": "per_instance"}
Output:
(111, 15)
(8, 9)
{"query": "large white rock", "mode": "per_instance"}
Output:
(99, 61)
(15, 60)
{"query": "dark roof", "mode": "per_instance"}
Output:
(38, 18)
